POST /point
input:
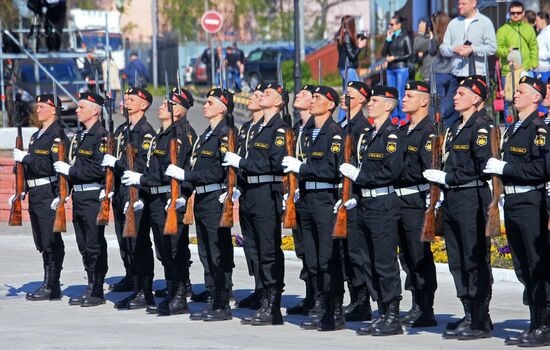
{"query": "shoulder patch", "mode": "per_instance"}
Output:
(540, 140)
(55, 148)
(541, 131)
(57, 139)
(279, 141)
(225, 138)
(337, 137)
(335, 147)
(392, 136)
(428, 145)
(391, 146)
(147, 136)
(224, 147)
(481, 140)
(483, 130)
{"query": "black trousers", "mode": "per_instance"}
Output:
(124, 244)
(355, 251)
(526, 219)
(90, 237)
(416, 257)
(322, 253)
(298, 237)
(249, 244)
(263, 203)
(464, 218)
(377, 219)
(214, 242)
(48, 243)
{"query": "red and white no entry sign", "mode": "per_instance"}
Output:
(211, 21)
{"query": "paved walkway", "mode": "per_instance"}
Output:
(55, 325)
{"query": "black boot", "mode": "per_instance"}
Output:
(516, 339)
(201, 297)
(479, 325)
(123, 304)
(145, 298)
(251, 299)
(163, 307)
(391, 324)
(126, 284)
(51, 290)
(220, 311)
(327, 320)
(414, 312)
(271, 313)
(40, 290)
(539, 334)
(176, 303)
(262, 300)
(199, 316)
(339, 314)
(367, 330)
(305, 304)
(352, 297)
(359, 310)
(96, 296)
(78, 299)
(424, 317)
(453, 328)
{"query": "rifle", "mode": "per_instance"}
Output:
(226, 219)
(171, 223)
(130, 220)
(340, 229)
(492, 227)
(429, 226)
(103, 215)
(188, 218)
(16, 216)
(514, 110)
(60, 222)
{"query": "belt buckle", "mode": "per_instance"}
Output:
(373, 195)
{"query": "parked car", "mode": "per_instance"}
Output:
(199, 75)
(261, 65)
(25, 84)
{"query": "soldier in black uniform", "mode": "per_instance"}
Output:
(206, 173)
(249, 246)
(86, 175)
(263, 201)
(138, 274)
(380, 158)
(355, 246)
(41, 185)
(464, 210)
(416, 257)
(524, 170)
(320, 193)
(311, 304)
(172, 250)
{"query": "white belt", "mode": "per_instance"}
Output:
(404, 191)
(160, 189)
(320, 185)
(376, 192)
(209, 188)
(474, 183)
(87, 187)
(41, 181)
(263, 178)
(521, 189)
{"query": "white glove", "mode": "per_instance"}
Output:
(439, 202)
(109, 160)
(176, 172)
(102, 194)
(349, 204)
(236, 195)
(138, 205)
(55, 203)
(291, 164)
(131, 178)
(501, 201)
(18, 155)
(62, 167)
(494, 166)
(231, 159)
(180, 202)
(12, 198)
(349, 171)
(296, 196)
(434, 175)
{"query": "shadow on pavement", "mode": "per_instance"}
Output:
(26, 288)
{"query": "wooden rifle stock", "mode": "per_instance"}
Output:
(130, 222)
(60, 222)
(227, 214)
(188, 218)
(289, 218)
(103, 216)
(429, 226)
(171, 224)
(16, 216)
(340, 230)
(492, 227)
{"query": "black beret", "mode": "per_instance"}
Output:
(535, 83)
(280, 90)
(261, 87)
(91, 97)
(475, 85)
(329, 93)
(187, 100)
(224, 96)
(48, 98)
(361, 87)
(419, 86)
(141, 93)
(385, 91)
(310, 88)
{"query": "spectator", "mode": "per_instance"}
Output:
(240, 64)
(514, 57)
(421, 46)
(543, 40)
(206, 58)
(442, 67)
(136, 70)
(531, 18)
(517, 34)
(349, 46)
(398, 51)
(468, 39)
(114, 79)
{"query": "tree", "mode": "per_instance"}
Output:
(183, 16)
(320, 23)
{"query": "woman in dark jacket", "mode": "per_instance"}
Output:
(398, 51)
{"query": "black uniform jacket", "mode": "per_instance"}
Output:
(88, 154)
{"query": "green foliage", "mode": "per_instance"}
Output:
(183, 15)
(288, 74)
(8, 15)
